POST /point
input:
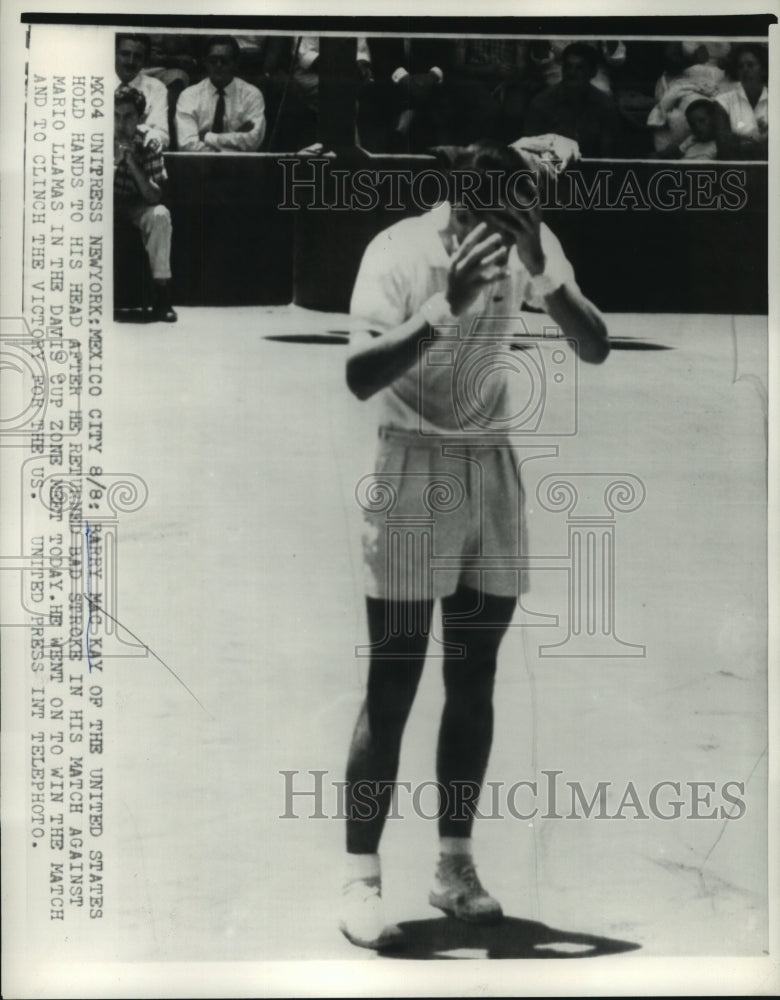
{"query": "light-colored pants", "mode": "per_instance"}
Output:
(154, 221)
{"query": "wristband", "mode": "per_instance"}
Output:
(437, 72)
(545, 284)
(436, 311)
(399, 74)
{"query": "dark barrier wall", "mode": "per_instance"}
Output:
(645, 255)
(643, 236)
(231, 244)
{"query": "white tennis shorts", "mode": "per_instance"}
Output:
(442, 511)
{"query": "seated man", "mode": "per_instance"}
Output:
(131, 54)
(174, 62)
(222, 112)
(575, 108)
(419, 98)
(139, 173)
(299, 123)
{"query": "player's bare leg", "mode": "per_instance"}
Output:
(465, 738)
(393, 676)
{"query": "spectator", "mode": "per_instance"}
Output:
(633, 83)
(173, 61)
(546, 58)
(499, 66)
(575, 108)
(747, 105)
(301, 109)
(491, 60)
(403, 109)
(306, 71)
(139, 176)
(421, 97)
(253, 49)
(703, 121)
(222, 112)
(691, 73)
(710, 52)
(131, 54)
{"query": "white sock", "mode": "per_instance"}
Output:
(455, 845)
(361, 866)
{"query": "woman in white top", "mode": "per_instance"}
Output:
(747, 104)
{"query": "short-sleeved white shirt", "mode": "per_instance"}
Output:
(745, 120)
(401, 269)
(196, 109)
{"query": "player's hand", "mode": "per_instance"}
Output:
(152, 143)
(524, 227)
(478, 261)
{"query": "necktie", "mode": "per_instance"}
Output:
(219, 114)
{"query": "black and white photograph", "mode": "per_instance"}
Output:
(389, 488)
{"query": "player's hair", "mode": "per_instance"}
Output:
(759, 51)
(144, 40)
(584, 51)
(129, 95)
(702, 102)
(235, 48)
(493, 168)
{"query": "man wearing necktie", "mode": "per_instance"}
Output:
(222, 112)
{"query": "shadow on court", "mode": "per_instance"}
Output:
(447, 938)
(331, 337)
(633, 344)
(341, 337)
(617, 344)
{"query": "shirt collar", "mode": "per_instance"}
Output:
(228, 88)
(763, 97)
(135, 82)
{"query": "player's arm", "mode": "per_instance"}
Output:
(580, 321)
(375, 361)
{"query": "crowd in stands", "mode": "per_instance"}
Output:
(632, 99)
(606, 99)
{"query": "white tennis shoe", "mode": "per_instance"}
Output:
(362, 916)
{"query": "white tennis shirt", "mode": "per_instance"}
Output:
(457, 385)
